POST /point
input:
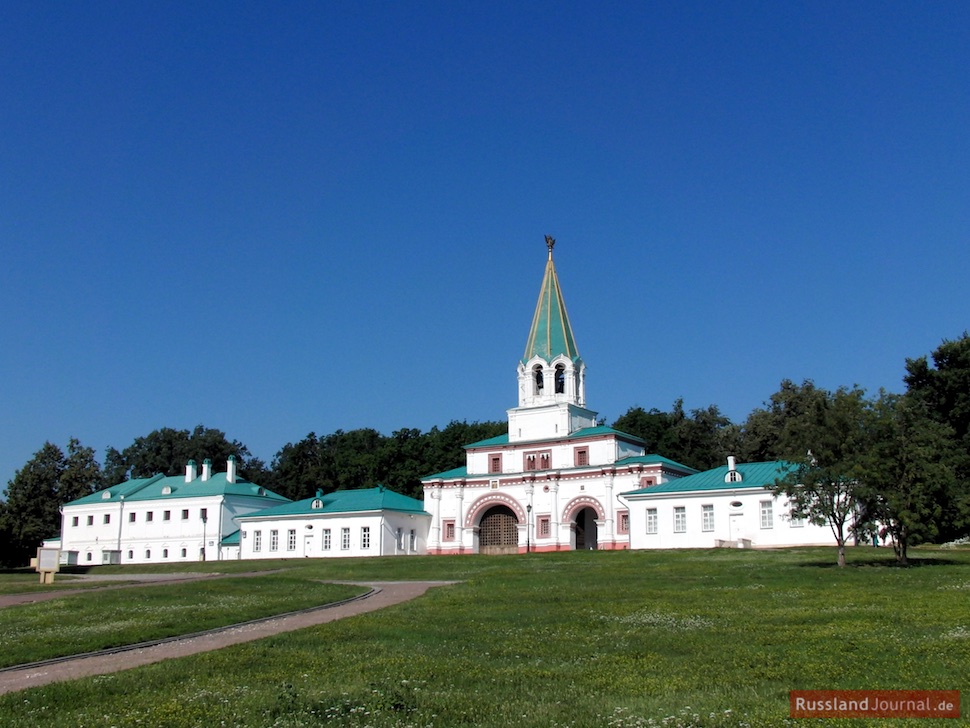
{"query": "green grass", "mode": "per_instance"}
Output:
(85, 622)
(702, 638)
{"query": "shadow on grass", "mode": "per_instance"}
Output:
(885, 563)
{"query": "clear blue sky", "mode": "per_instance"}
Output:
(275, 218)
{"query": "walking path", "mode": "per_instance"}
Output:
(384, 594)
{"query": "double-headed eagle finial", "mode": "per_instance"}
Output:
(550, 242)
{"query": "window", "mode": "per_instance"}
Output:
(412, 541)
(680, 519)
(291, 540)
(274, 540)
(449, 530)
(495, 463)
(344, 538)
(400, 539)
(544, 526)
(647, 482)
(326, 539)
(651, 520)
(164, 553)
(185, 514)
(538, 460)
(797, 522)
(204, 514)
(148, 553)
(257, 540)
(365, 537)
(131, 517)
(149, 516)
(74, 521)
(623, 522)
(767, 517)
(707, 518)
(530, 462)
(89, 556)
(166, 515)
(734, 476)
(90, 520)
(581, 456)
(107, 518)
(184, 553)
(131, 554)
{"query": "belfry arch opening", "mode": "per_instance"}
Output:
(560, 378)
(498, 531)
(538, 377)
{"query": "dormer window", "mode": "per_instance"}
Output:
(733, 476)
(167, 490)
(106, 495)
(317, 504)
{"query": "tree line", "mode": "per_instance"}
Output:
(895, 465)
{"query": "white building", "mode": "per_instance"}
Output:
(161, 519)
(727, 506)
(366, 522)
(552, 483)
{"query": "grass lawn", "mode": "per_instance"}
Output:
(700, 638)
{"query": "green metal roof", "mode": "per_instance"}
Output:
(753, 475)
(550, 335)
(232, 539)
(161, 487)
(345, 501)
(654, 459)
(490, 442)
(461, 472)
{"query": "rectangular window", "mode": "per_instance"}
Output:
(412, 541)
(204, 514)
(581, 458)
(623, 522)
(707, 518)
(326, 539)
(257, 540)
(449, 530)
(131, 517)
(274, 540)
(767, 517)
(680, 519)
(74, 521)
(166, 515)
(131, 555)
(90, 520)
(164, 553)
(495, 463)
(651, 520)
(545, 526)
(365, 537)
(185, 514)
(797, 522)
(149, 516)
(344, 538)
(148, 553)
(183, 553)
(291, 540)
(400, 539)
(107, 518)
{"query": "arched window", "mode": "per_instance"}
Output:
(537, 370)
(560, 378)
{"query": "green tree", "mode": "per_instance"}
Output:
(700, 439)
(908, 472)
(825, 439)
(36, 493)
(167, 451)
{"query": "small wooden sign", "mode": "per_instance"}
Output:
(48, 564)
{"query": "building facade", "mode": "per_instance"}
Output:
(551, 483)
(161, 519)
(366, 522)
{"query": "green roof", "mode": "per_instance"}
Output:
(345, 501)
(653, 459)
(497, 440)
(461, 472)
(161, 487)
(232, 539)
(584, 432)
(753, 475)
(550, 335)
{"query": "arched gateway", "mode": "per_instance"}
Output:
(498, 532)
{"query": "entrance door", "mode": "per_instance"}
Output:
(736, 523)
(586, 531)
(498, 531)
(308, 545)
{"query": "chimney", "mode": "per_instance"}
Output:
(206, 469)
(732, 463)
(190, 472)
(231, 469)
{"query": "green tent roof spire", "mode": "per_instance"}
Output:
(551, 334)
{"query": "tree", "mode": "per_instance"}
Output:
(167, 451)
(700, 439)
(908, 472)
(825, 439)
(36, 493)
(943, 390)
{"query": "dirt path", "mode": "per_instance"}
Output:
(388, 593)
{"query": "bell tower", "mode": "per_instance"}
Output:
(551, 374)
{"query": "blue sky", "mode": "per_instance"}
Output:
(274, 218)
